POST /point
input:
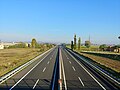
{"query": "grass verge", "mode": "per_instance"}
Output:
(109, 65)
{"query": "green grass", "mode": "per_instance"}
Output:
(84, 48)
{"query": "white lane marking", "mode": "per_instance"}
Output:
(48, 62)
(28, 72)
(17, 70)
(73, 68)
(44, 69)
(87, 71)
(70, 62)
(81, 81)
(63, 71)
(35, 84)
(66, 55)
(99, 70)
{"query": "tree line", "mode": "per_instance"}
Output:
(33, 44)
(75, 46)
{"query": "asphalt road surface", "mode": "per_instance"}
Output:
(57, 70)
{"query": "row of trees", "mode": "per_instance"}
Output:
(75, 46)
(33, 44)
(104, 47)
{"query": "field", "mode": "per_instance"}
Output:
(110, 63)
(105, 58)
(12, 58)
(83, 48)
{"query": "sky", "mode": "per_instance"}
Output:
(58, 20)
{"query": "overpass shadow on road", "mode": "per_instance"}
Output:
(26, 84)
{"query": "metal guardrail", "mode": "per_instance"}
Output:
(97, 68)
(15, 71)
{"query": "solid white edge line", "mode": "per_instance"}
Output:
(81, 81)
(28, 72)
(12, 73)
(87, 71)
(100, 71)
(63, 73)
(35, 84)
(44, 69)
(73, 68)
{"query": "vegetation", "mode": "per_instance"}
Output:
(112, 56)
(21, 45)
(14, 57)
(113, 64)
(18, 54)
(75, 41)
(87, 44)
(79, 43)
(72, 45)
(84, 48)
(103, 55)
(34, 43)
(103, 47)
(109, 65)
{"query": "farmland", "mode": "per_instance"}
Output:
(108, 59)
(110, 63)
(12, 58)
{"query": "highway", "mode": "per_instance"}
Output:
(58, 69)
(37, 75)
(77, 76)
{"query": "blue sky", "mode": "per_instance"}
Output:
(59, 20)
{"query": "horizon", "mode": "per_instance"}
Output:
(58, 21)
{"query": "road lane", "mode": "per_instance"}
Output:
(51, 68)
(42, 72)
(77, 77)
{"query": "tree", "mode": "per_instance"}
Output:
(75, 41)
(72, 45)
(87, 44)
(20, 45)
(79, 43)
(34, 43)
(103, 47)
